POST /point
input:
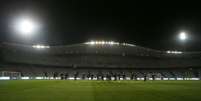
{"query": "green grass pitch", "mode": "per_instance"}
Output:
(58, 90)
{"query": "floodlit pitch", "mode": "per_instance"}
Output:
(57, 90)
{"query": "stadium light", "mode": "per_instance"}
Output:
(40, 46)
(182, 36)
(111, 43)
(174, 52)
(25, 26)
(102, 43)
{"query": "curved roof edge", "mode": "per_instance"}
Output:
(100, 43)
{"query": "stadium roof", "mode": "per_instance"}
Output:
(103, 44)
(97, 54)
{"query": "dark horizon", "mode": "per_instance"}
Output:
(148, 25)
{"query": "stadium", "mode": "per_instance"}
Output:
(97, 71)
(97, 60)
(80, 50)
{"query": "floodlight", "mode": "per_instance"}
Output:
(174, 52)
(40, 46)
(92, 42)
(25, 26)
(182, 36)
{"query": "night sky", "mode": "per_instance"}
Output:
(152, 25)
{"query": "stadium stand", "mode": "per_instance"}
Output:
(97, 61)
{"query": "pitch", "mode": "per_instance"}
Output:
(57, 90)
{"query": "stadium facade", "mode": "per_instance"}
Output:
(97, 60)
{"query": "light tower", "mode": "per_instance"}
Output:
(183, 37)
